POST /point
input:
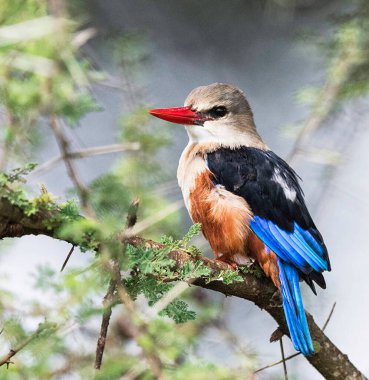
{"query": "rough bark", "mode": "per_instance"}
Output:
(328, 360)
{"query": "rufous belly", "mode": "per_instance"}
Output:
(225, 218)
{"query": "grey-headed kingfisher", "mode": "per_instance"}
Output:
(248, 200)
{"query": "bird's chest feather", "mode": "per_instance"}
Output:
(223, 215)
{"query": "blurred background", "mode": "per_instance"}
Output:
(304, 66)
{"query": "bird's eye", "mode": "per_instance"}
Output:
(218, 111)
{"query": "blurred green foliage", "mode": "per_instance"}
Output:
(41, 73)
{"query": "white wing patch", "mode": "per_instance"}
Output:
(288, 191)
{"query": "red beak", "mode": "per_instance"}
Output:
(179, 115)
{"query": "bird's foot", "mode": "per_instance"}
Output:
(233, 265)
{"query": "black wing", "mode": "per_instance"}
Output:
(281, 219)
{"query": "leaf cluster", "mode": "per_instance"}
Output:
(12, 189)
(151, 268)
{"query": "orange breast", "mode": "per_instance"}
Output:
(224, 218)
(266, 258)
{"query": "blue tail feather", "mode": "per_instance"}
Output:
(294, 309)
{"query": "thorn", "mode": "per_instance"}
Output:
(132, 213)
(67, 258)
(8, 363)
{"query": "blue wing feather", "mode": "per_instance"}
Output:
(310, 240)
(294, 254)
(297, 247)
(261, 231)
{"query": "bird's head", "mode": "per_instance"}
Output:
(218, 113)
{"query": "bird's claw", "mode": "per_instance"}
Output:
(233, 265)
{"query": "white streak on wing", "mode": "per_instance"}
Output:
(288, 191)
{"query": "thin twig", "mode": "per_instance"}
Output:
(278, 362)
(72, 172)
(107, 302)
(329, 316)
(283, 360)
(67, 258)
(298, 353)
(13, 351)
(87, 152)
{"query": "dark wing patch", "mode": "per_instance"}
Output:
(249, 172)
(271, 188)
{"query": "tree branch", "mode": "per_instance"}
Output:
(72, 172)
(5, 360)
(107, 302)
(328, 360)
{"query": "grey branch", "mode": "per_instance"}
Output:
(64, 147)
(108, 300)
(87, 152)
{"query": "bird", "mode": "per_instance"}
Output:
(248, 200)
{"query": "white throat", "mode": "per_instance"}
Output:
(224, 135)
